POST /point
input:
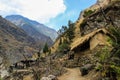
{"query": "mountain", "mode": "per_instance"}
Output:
(28, 25)
(14, 42)
(86, 49)
(30, 28)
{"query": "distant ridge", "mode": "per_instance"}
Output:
(36, 26)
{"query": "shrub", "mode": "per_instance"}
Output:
(109, 66)
(87, 13)
(63, 46)
(70, 31)
(45, 49)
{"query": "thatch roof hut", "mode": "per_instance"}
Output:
(91, 40)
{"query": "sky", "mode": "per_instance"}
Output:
(53, 13)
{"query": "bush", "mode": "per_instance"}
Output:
(109, 66)
(116, 33)
(63, 46)
(98, 67)
(45, 49)
(87, 13)
(70, 31)
(116, 69)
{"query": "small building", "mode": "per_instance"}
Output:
(91, 40)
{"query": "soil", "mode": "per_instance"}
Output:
(72, 74)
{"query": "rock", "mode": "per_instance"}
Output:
(45, 78)
(4, 73)
(86, 68)
(52, 77)
(70, 55)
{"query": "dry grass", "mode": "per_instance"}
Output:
(85, 38)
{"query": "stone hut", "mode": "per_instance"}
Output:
(91, 40)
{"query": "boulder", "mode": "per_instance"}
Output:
(86, 68)
(45, 78)
(52, 77)
(3, 73)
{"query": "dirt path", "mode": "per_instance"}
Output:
(72, 74)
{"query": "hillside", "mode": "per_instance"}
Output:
(33, 28)
(91, 20)
(88, 49)
(96, 32)
(14, 42)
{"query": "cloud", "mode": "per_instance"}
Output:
(41, 10)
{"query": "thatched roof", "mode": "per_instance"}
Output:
(78, 42)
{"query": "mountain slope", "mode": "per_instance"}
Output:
(95, 42)
(14, 42)
(92, 54)
(37, 27)
(93, 19)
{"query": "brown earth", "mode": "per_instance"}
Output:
(72, 74)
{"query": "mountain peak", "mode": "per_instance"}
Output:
(41, 28)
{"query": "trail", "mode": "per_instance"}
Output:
(72, 74)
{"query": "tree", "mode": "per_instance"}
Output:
(62, 30)
(70, 22)
(63, 46)
(45, 48)
(70, 31)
